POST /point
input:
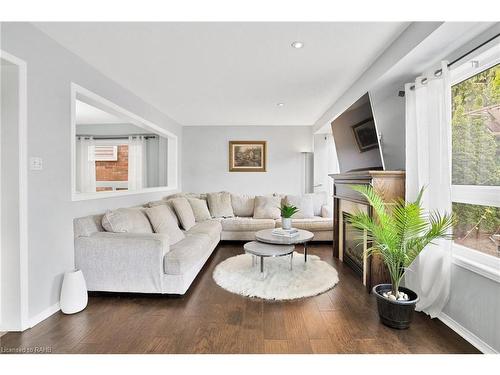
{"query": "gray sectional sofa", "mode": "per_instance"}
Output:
(135, 256)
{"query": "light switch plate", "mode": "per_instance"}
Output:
(36, 164)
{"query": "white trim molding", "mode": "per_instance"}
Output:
(23, 183)
(467, 335)
(476, 194)
(77, 93)
(48, 312)
(483, 264)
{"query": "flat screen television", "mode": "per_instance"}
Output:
(356, 140)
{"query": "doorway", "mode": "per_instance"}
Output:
(13, 192)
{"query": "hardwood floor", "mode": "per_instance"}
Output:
(209, 319)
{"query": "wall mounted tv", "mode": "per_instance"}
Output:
(356, 140)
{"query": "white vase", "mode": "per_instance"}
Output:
(286, 223)
(74, 296)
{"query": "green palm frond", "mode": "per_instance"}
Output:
(400, 231)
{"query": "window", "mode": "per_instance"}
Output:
(476, 153)
(115, 152)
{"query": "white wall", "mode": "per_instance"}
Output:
(348, 153)
(206, 161)
(325, 163)
(389, 114)
(51, 69)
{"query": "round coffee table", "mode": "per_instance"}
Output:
(265, 250)
(267, 236)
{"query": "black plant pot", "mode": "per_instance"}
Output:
(395, 314)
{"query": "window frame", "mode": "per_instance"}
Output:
(484, 195)
(77, 92)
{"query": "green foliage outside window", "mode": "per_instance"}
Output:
(476, 150)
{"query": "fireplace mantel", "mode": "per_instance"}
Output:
(391, 185)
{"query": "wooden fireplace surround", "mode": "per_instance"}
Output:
(391, 185)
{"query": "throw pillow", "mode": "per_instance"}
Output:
(219, 204)
(126, 220)
(164, 221)
(326, 211)
(242, 205)
(169, 205)
(267, 207)
(184, 212)
(200, 209)
(303, 203)
(319, 199)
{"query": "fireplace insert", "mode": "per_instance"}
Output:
(353, 246)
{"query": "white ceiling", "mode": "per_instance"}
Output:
(231, 73)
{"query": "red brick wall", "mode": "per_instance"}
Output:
(113, 170)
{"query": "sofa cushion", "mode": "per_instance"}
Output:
(304, 203)
(319, 200)
(243, 224)
(200, 209)
(242, 204)
(167, 203)
(126, 220)
(185, 254)
(314, 224)
(184, 212)
(267, 207)
(219, 204)
(163, 220)
(212, 228)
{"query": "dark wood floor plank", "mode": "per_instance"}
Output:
(209, 319)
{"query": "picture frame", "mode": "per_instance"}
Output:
(365, 135)
(247, 156)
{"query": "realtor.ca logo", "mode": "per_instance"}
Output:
(26, 350)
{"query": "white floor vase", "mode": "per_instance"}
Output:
(74, 295)
(278, 282)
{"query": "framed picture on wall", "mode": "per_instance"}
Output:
(247, 156)
(365, 135)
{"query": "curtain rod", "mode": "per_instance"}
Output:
(438, 72)
(117, 136)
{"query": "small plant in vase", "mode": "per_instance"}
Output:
(398, 235)
(287, 211)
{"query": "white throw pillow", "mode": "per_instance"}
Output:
(126, 220)
(303, 203)
(243, 205)
(267, 207)
(184, 212)
(319, 200)
(219, 204)
(200, 209)
(327, 211)
(163, 220)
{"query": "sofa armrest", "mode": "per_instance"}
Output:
(326, 211)
(122, 262)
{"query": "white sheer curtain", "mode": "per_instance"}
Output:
(85, 165)
(137, 170)
(428, 145)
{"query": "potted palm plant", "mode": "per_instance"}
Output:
(398, 235)
(287, 211)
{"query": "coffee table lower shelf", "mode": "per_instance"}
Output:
(267, 250)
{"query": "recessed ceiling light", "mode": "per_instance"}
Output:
(280, 104)
(297, 44)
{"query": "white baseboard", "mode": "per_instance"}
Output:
(44, 315)
(467, 335)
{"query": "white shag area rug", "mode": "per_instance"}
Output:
(278, 282)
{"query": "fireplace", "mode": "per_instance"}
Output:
(349, 245)
(354, 245)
